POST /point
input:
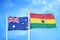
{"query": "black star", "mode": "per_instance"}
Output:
(43, 21)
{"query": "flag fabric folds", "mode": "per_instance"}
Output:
(42, 20)
(17, 23)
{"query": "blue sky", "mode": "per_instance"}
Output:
(19, 8)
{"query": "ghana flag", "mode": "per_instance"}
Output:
(42, 20)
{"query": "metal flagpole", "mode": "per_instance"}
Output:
(6, 25)
(28, 23)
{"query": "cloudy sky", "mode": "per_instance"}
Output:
(20, 8)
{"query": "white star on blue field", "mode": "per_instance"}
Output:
(19, 8)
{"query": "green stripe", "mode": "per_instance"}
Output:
(37, 25)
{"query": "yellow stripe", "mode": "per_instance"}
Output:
(47, 21)
(35, 20)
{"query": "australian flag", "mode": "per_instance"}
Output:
(17, 23)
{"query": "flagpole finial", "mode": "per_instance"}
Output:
(28, 9)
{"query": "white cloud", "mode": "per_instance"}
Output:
(33, 7)
(36, 6)
(36, 2)
(43, 9)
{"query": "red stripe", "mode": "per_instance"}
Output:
(42, 16)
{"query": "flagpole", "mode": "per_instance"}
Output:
(28, 23)
(6, 26)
